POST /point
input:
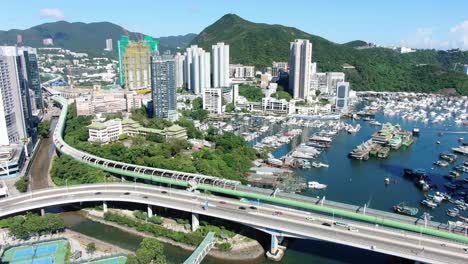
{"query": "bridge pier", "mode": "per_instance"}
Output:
(104, 206)
(195, 222)
(276, 251)
(42, 211)
(150, 211)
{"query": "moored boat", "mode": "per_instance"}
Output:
(316, 185)
(383, 152)
(406, 210)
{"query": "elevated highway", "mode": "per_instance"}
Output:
(278, 221)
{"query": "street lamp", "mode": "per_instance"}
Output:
(66, 184)
(135, 184)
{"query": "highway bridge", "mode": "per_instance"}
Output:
(275, 220)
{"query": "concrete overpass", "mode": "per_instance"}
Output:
(276, 220)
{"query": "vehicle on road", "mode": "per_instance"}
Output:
(353, 229)
(222, 202)
(276, 213)
(242, 207)
(342, 224)
(98, 193)
(164, 192)
(326, 224)
(253, 207)
(126, 193)
(310, 218)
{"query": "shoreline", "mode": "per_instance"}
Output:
(246, 251)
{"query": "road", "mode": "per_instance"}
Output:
(288, 221)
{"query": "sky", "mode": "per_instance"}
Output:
(434, 24)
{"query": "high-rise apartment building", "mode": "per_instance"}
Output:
(333, 78)
(109, 46)
(342, 96)
(18, 74)
(213, 100)
(197, 69)
(179, 69)
(48, 42)
(465, 68)
(299, 68)
(220, 65)
(163, 87)
(19, 40)
(134, 61)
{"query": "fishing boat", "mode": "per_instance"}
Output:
(383, 152)
(453, 212)
(316, 185)
(448, 157)
(450, 185)
(401, 208)
(429, 203)
(407, 140)
(375, 149)
(461, 168)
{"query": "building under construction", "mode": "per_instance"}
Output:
(134, 62)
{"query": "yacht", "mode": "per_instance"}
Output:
(462, 150)
(429, 203)
(316, 185)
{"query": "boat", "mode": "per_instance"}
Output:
(375, 123)
(448, 157)
(424, 185)
(319, 165)
(416, 131)
(461, 168)
(407, 140)
(453, 212)
(462, 150)
(450, 185)
(387, 181)
(429, 203)
(275, 162)
(441, 163)
(383, 152)
(401, 208)
(353, 130)
(316, 185)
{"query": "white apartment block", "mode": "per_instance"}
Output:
(134, 101)
(278, 66)
(342, 96)
(48, 42)
(240, 71)
(333, 78)
(220, 65)
(108, 45)
(299, 68)
(213, 100)
(197, 69)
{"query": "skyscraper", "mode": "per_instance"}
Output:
(163, 87)
(220, 65)
(108, 45)
(134, 60)
(179, 69)
(16, 81)
(299, 68)
(197, 69)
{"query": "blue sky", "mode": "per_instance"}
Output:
(418, 23)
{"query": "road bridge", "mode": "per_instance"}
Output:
(274, 219)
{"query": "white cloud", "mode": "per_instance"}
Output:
(427, 38)
(460, 34)
(52, 13)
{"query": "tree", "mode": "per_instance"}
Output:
(151, 251)
(230, 107)
(197, 103)
(22, 184)
(43, 129)
(91, 248)
(132, 259)
(282, 95)
(252, 93)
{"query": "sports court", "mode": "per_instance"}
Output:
(111, 260)
(38, 253)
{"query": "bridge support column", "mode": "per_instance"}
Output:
(195, 222)
(104, 206)
(42, 211)
(276, 251)
(150, 211)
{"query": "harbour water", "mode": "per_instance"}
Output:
(362, 182)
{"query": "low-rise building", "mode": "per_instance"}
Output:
(278, 106)
(239, 71)
(12, 158)
(111, 130)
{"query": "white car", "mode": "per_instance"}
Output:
(310, 218)
(353, 229)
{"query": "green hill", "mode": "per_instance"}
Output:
(376, 68)
(79, 36)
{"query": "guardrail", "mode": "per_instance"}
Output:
(234, 188)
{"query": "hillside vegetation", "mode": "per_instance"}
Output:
(376, 69)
